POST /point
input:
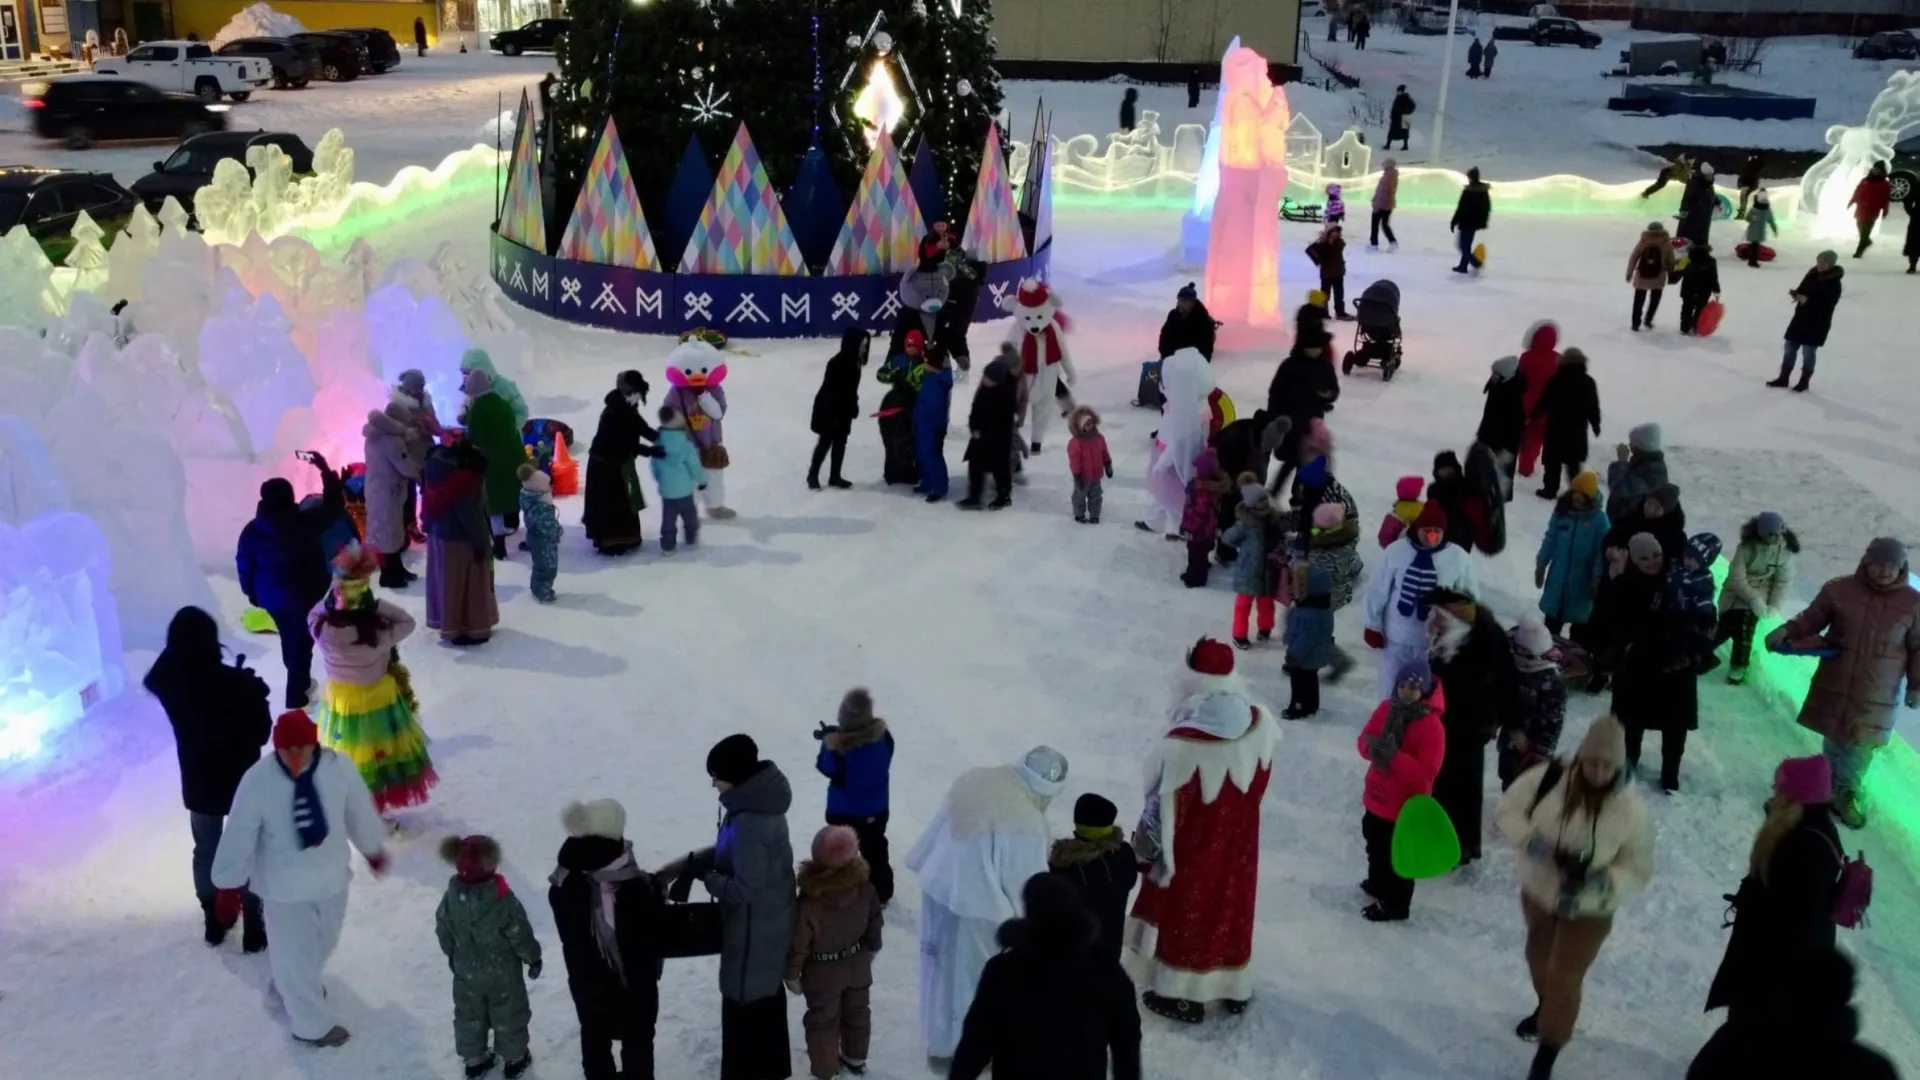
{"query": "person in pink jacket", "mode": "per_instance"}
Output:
(1405, 743)
(1406, 506)
(1089, 462)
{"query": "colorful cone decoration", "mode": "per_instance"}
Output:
(993, 227)
(608, 226)
(1043, 210)
(257, 621)
(742, 229)
(564, 470)
(1424, 843)
(884, 225)
(523, 217)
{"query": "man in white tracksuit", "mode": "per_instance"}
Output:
(1414, 565)
(988, 838)
(293, 817)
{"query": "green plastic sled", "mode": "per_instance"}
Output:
(257, 621)
(1424, 843)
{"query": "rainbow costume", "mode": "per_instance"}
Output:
(367, 711)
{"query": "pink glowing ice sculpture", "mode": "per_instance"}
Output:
(1243, 250)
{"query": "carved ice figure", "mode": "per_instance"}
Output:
(59, 629)
(224, 208)
(332, 180)
(404, 333)
(1348, 159)
(28, 298)
(1243, 250)
(1829, 184)
(470, 295)
(127, 259)
(248, 355)
(273, 194)
(86, 316)
(179, 290)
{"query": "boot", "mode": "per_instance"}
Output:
(478, 1069)
(1852, 814)
(1543, 1059)
(215, 933)
(1736, 676)
(500, 549)
(1778, 383)
(813, 481)
(1801, 386)
(1378, 912)
(253, 932)
(839, 483)
(335, 1036)
(393, 574)
(1187, 1012)
(516, 1069)
(1528, 1030)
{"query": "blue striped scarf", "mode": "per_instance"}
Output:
(309, 817)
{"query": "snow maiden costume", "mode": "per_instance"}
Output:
(1186, 379)
(1040, 334)
(988, 837)
(366, 708)
(1193, 921)
(695, 372)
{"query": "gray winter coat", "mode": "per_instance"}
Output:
(1252, 536)
(752, 877)
(395, 451)
(1629, 482)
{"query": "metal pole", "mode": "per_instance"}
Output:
(1446, 75)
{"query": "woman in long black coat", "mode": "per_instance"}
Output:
(1571, 405)
(1474, 663)
(614, 497)
(1814, 300)
(1784, 908)
(613, 965)
(1655, 686)
(1504, 417)
(836, 405)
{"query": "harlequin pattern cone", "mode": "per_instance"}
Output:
(993, 226)
(523, 217)
(608, 226)
(884, 225)
(742, 229)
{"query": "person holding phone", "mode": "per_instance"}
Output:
(282, 563)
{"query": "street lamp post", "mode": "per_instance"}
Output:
(1446, 75)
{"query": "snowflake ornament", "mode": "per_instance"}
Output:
(706, 107)
(853, 41)
(883, 42)
(963, 88)
(699, 73)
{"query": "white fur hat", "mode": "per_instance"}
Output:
(601, 817)
(1532, 635)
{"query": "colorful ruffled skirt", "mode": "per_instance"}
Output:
(375, 728)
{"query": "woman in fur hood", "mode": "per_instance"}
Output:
(1102, 867)
(830, 957)
(1758, 576)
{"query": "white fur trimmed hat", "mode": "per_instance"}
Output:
(601, 817)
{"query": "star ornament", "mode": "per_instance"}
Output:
(706, 106)
(879, 105)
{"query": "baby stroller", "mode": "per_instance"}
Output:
(1376, 339)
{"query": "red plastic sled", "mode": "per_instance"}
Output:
(1740, 251)
(1709, 319)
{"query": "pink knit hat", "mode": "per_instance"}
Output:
(1329, 515)
(1805, 780)
(835, 846)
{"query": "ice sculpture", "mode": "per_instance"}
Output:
(59, 631)
(1829, 184)
(224, 208)
(1304, 144)
(28, 298)
(1347, 160)
(127, 259)
(248, 355)
(406, 333)
(88, 256)
(1196, 226)
(1243, 249)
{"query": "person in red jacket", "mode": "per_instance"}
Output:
(1405, 743)
(1872, 198)
(1538, 361)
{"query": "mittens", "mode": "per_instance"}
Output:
(227, 905)
(533, 970)
(1375, 639)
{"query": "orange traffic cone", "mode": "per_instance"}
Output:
(566, 471)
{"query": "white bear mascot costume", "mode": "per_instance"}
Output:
(1040, 335)
(1186, 379)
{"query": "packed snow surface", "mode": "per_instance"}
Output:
(256, 20)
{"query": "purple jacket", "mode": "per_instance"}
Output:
(706, 430)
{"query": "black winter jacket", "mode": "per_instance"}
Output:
(606, 1003)
(281, 560)
(838, 401)
(1571, 404)
(1813, 318)
(1193, 331)
(1505, 414)
(1474, 209)
(220, 719)
(1104, 873)
(1049, 1009)
(1786, 915)
(1304, 388)
(1702, 278)
(1478, 680)
(990, 421)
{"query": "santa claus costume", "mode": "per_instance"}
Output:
(1040, 335)
(986, 840)
(1192, 924)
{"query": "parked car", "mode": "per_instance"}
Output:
(47, 201)
(189, 66)
(295, 63)
(540, 35)
(343, 57)
(1888, 45)
(190, 168)
(382, 50)
(83, 109)
(1557, 31)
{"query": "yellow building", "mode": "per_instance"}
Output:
(1168, 31)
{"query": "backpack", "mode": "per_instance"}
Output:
(1854, 890)
(1148, 395)
(1652, 263)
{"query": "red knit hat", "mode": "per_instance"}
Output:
(1210, 657)
(295, 729)
(916, 339)
(1431, 517)
(835, 846)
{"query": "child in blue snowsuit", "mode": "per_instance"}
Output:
(1690, 593)
(1309, 638)
(678, 473)
(543, 529)
(856, 757)
(930, 424)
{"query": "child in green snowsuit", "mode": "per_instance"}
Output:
(543, 529)
(486, 936)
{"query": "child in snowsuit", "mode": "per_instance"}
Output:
(1102, 868)
(836, 931)
(543, 529)
(1759, 221)
(1336, 211)
(1309, 638)
(1530, 726)
(677, 472)
(1199, 520)
(901, 374)
(1572, 554)
(1690, 594)
(930, 418)
(1329, 253)
(1255, 535)
(1700, 284)
(856, 757)
(1404, 743)
(1758, 576)
(1088, 461)
(484, 931)
(1406, 506)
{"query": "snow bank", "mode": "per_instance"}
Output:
(257, 20)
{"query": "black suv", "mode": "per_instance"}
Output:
(382, 50)
(295, 63)
(1556, 31)
(343, 57)
(81, 109)
(540, 35)
(1888, 45)
(190, 168)
(47, 201)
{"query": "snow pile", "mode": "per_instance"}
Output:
(257, 20)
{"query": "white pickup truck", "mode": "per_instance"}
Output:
(190, 67)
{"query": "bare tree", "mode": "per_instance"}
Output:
(1166, 19)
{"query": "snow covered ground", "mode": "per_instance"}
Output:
(981, 635)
